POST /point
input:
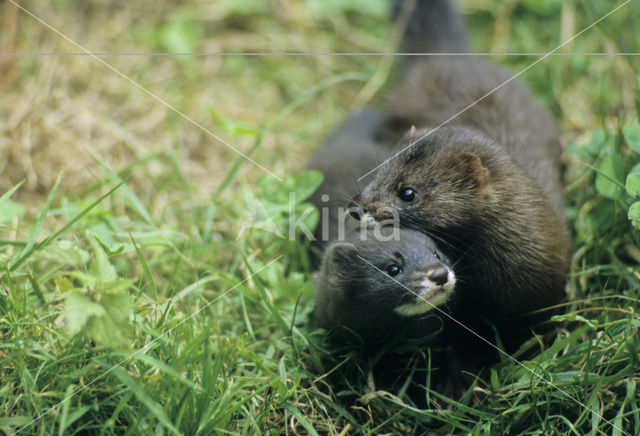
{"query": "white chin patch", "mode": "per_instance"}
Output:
(428, 296)
(369, 221)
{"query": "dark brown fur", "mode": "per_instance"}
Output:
(489, 184)
(490, 216)
(344, 156)
(432, 92)
(355, 293)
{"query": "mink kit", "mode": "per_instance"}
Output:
(372, 287)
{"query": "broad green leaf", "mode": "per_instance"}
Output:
(635, 169)
(106, 321)
(111, 248)
(311, 216)
(632, 136)
(63, 252)
(111, 328)
(63, 283)
(119, 286)
(610, 174)
(633, 184)
(634, 214)
(101, 309)
(78, 309)
(294, 189)
(260, 215)
(100, 267)
(587, 151)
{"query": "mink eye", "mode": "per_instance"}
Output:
(407, 194)
(437, 256)
(394, 270)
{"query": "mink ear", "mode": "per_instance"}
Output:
(339, 255)
(477, 172)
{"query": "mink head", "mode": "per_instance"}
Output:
(437, 181)
(404, 276)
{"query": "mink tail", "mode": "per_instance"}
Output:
(434, 26)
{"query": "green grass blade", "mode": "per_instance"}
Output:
(36, 289)
(62, 424)
(35, 231)
(145, 269)
(163, 367)
(8, 194)
(134, 386)
(301, 419)
(65, 227)
(75, 219)
(130, 196)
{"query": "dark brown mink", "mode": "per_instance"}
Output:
(376, 285)
(460, 187)
(469, 92)
(481, 175)
(354, 299)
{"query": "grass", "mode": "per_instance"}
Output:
(119, 222)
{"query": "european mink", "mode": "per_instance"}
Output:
(489, 216)
(375, 288)
(352, 293)
(486, 186)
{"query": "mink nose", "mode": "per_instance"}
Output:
(439, 275)
(355, 210)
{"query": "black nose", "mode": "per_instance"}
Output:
(355, 210)
(439, 275)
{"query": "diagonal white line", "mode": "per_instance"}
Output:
(411, 144)
(164, 102)
(145, 347)
(501, 351)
